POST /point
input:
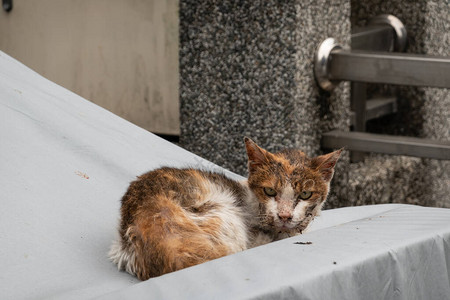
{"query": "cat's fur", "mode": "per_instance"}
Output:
(175, 218)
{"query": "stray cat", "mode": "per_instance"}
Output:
(175, 218)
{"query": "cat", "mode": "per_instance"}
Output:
(175, 218)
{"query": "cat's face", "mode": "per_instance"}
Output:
(291, 188)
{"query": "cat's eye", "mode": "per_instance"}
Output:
(270, 192)
(305, 195)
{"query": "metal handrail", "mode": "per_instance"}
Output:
(364, 65)
(391, 68)
(338, 64)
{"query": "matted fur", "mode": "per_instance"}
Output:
(175, 218)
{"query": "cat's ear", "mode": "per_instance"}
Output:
(256, 155)
(325, 164)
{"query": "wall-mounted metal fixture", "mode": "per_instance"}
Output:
(7, 5)
(370, 61)
(321, 64)
(333, 63)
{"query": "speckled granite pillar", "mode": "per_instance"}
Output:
(423, 112)
(247, 70)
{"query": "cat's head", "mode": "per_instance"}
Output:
(291, 187)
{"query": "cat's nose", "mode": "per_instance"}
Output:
(285, 216)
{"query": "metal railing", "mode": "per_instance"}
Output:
(379, 67)
(369, 61)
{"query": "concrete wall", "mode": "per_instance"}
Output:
(122, 55)
(246, 69)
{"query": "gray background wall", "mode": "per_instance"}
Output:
(246, 69)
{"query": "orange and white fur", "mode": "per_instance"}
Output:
(175, 218)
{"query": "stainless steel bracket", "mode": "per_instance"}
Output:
(323, 53)
(322, 62)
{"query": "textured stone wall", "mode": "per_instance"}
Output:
(423, 112)
(246, 69)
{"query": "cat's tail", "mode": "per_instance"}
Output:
(124, 257)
